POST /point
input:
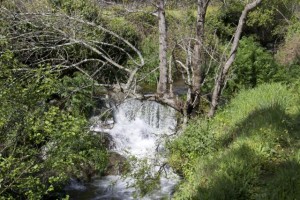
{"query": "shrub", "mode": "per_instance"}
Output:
(288, 53)
(44, 141)
(254, 65)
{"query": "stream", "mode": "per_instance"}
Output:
(138, 130)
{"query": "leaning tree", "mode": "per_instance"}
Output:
(195, 65)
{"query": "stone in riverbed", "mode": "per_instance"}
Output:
(117, 164)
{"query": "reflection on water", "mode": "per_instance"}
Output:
(115, 188)
(106, 188)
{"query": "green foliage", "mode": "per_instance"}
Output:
(44, 141)
(47, 50)
(89, 9)
(150, 51)
(77, 94)
(196, 141)
(293, 29)
(288, 53)
(250, 150)
(270, 20)
(146, 180)
(222, 20)
(145, 22)
(254, 153)
(215, 25)
(267, 22)
(253, 65)
(125, 29)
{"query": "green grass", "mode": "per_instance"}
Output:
(250, 150)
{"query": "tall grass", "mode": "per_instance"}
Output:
(250, 150)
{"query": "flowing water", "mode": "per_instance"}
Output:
(139, 130)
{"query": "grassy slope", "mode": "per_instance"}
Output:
(250, 150)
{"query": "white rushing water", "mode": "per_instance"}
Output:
(141, 127)
(139, 130)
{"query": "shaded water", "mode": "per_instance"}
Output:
(140, 129)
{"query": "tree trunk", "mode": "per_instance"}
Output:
(198, 59)
(220, 81)
(163, 68)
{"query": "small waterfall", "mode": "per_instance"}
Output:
(139, 130)
(141, 126)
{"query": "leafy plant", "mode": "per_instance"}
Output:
(254, 65)
(43, 143)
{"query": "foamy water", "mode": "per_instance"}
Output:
(139, 131)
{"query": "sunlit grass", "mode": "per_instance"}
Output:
(253, 149)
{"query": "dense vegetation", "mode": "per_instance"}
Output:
(250, 150)
(44, 141)
(57, 60)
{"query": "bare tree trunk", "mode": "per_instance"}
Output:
(220, 81)
(198, 61)
(163, 68)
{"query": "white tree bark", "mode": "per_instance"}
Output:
(198, 61)
(163, 68)
(56, 32)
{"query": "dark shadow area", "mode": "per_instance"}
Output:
(273, 117)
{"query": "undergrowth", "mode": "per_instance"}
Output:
(250, 150)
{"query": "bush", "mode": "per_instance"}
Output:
(150, 51)
(288, 53)
(89, 9)
(253, 65)
(145, 22)
(44, 140)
